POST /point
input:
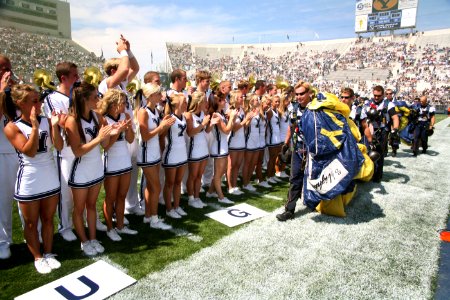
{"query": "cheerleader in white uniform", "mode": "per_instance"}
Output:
(219, 146)
(252, 141)
(149, 153)
(86, 130)
(273, 137)
(284, 125)
(116, 161)
(265, 105)
(37, 185)
(236, 142)
(174, 158)
(198, 126)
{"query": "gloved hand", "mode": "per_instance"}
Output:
(284, 148)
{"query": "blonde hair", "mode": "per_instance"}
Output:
(308, 87)
(234, 95)
(110, 64)
(111, 97)
(150, 89)
(197, 99)
(248, 104)
(20, 92)
(172, 102)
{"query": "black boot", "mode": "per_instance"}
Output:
(287, 215)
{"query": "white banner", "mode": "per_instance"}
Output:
(408, 17)
(402, 4)
(361, 23)
(237, 214)
(363, 7)
(97, 281)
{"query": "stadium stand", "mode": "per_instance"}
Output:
(412, 64)
(31, 51)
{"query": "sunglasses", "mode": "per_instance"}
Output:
(345, 97)
(388, 93)
(301, 94)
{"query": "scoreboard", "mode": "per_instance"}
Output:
(379, 15)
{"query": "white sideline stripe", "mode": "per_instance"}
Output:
(272, 197)
(187, 234)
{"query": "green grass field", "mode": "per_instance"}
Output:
(150, 251)
(147, 252)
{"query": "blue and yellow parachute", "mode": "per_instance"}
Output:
(335, 159)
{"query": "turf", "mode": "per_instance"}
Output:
(387, 247)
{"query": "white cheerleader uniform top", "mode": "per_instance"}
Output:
(219, 142)
(198, 144)
(175, 153)
(149, 153)
(236, 139)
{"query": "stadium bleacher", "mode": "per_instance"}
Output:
(412, 64)
(30, 51)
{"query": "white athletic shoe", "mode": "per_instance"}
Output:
(138, 211)
(96, 245)
(233, 191)
(194, 203)
(100, 226)
(68, 235)
(211, 195)
(249, 187)
(225, 200)
(5, 252)
(147, 220)
(112, 234)
(173, 214)
(88, 249)
(264, 184)
(202, 190)
(237, 191)
(272, 180)
(282, 174)
(160, 225)
(277, 179)
(42, 266)
(51, 261)
(126, 230)
(201, 202)
(180, 211)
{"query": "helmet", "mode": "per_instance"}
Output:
(374, 155)
(373, 114)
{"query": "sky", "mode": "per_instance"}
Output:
(148, 25)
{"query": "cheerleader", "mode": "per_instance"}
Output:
(265, 105)
(252, 141)
(198, 153)
(273, 138)
(219, 144)
(236, 142)
(286, 98)
(149, 154)
(86, 130)
(174, 158)
(37, 186)
(116, 161)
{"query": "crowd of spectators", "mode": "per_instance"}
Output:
(31, 51)
(414, 70)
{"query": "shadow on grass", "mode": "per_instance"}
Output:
(360, 210)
